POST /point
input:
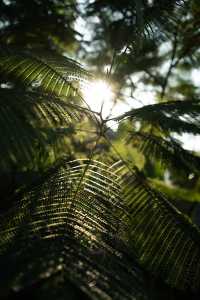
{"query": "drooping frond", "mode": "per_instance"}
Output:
(69, 227)
(26, 119)
(176, 116)
(169, 152)
(167, 243)
(173, 108)
(48, 72)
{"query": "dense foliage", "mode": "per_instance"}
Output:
(87, 212)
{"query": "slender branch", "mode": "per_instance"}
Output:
(112, 63)
(172, 65)
(83, 108)
(154, 77)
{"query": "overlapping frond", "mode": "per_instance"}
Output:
(74, 225)
(167, 244)
(40, 92)
(25, 118)
(169, 152)
(49, 72)
(176, 116)
(69, 226)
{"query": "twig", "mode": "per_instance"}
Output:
(172, 65)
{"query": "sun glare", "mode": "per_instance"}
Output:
(99, 96)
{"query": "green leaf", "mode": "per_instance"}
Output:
(69, 226)
(169, 152)
(48, 72)
(24, 120)
(175, 116)
(166, 242)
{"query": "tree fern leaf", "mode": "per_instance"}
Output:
(174, 108)
(175, 116)
(49, 230)
(23, 116)
(166, 242)
(48, 72)
(169, 152)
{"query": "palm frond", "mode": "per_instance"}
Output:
(169, 152)
(166, 242)
(49, 72)
(68, 226)
(176, 116)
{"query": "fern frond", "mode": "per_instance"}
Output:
(25, 118)
(166, 242)
(173, 108)
(48, 72)
(74, 222)
(70, 224)
(162, 15)
(169, 152)
(176, 116)
(146, 19)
